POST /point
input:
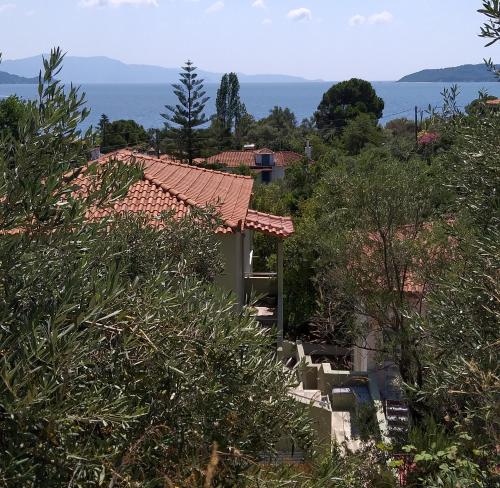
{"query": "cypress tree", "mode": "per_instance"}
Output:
(102, 127)
(188, 113)
(221, 101)
(229, 107)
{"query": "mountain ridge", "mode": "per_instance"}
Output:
(457, 74)
(10, 79)
(102, 69)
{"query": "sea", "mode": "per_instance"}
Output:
(144, 103)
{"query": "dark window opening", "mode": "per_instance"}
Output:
(266, 160)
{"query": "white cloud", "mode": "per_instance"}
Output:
(259, 4)
(357, 20)
(215, 7)
(267, 21)
(384, 17)
(117, 3)
(300, 14)
(6, 6)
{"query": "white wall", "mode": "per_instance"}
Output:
(232, 253)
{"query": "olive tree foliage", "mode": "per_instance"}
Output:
(369, 219)
(121, 364)
(461, 324)
(491, 28)
(471, 166)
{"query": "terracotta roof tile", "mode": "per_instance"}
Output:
(494, 102)
(234, 159)
(171, 186)
(286, 158)
(270, 224)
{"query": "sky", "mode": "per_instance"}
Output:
(316, 39)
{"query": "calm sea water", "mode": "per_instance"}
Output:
(144, 102)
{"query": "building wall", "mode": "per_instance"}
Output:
(364, 353)
(247, 251)
(235, 250)
(278, 173)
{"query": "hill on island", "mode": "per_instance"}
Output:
(106, 70)
(466, 72)
(9, 79)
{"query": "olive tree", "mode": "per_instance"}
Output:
(121, 363)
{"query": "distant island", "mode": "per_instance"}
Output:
(464, 73)
(101, 69)
(9, 79)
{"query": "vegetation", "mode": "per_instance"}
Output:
(112, 330)
(120, 134)
(121, 362)
(345, 101)
(405, 236)
(188, 114)
(230, 111)
(230, 108)
(12, 110)
(491, 29)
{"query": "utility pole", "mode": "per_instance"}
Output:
(416, 124)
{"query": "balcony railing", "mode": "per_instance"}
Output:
(261, 284)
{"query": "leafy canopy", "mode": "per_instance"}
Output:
(345, 101)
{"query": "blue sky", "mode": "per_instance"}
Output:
(328, 39)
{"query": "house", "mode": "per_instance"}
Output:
(168, 185)
(269, 165)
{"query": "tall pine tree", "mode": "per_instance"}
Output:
(188, 113)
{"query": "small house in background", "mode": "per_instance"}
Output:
(268, 164)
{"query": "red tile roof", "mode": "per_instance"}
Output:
(171, 186)
(233, 159)
(269, 224)
(286, 158)
(494, 102)
(144, 197)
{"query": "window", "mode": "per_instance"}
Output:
(266, 176)
(266, 160)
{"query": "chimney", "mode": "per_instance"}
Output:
(309, 151)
